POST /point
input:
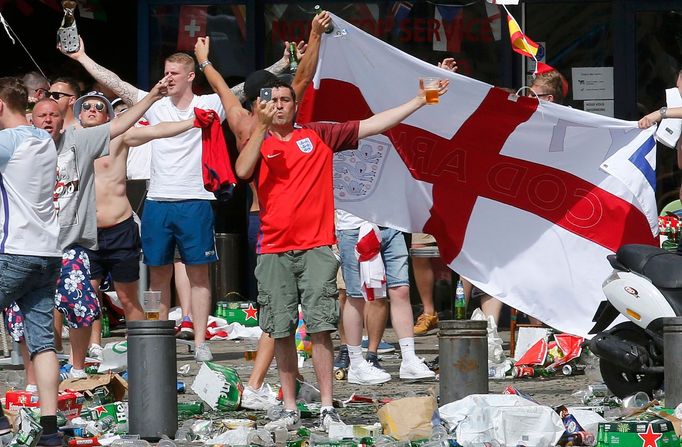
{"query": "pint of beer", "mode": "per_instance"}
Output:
(431, 87)
(151, 303)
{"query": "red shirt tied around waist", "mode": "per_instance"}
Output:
(295, 186)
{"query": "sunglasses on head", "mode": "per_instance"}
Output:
(57, 95)
(88, 105)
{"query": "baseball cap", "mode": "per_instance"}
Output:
(93, 94)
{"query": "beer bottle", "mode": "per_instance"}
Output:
(190, 408)
(106, 329)
(460, 302)
(293, 62)
(330, 27)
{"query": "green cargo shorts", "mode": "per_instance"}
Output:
(286, 279)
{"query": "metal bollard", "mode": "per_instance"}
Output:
(672, 347)
(463, 359)
(152, 396)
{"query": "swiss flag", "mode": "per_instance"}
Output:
(526, 198)
(192, 24)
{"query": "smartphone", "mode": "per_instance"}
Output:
(266, 94)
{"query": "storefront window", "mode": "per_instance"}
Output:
(574, 35)
(659, 59)
(469, 33)
(176, 28)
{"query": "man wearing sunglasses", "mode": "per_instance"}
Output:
(74, 196)
(65, 90)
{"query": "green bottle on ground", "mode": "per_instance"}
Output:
(106, 329)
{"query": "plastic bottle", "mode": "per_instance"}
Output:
(184, 433)
(460, 310)
(293, 62)
(106, 329)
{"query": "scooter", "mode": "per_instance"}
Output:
(644, 287)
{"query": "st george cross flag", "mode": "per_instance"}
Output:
(512, 188)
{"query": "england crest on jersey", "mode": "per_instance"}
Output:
(305, 145)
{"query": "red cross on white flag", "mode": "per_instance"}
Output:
(513, 189)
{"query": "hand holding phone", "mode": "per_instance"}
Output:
(266, 94)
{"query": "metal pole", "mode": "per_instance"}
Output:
(463, 359)
(672, 347)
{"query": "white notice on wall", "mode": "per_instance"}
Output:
(600, 107)
(592, 83)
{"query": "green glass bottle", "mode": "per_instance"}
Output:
(106, 329)
(190, 408)
(460, 311)
(293, 61)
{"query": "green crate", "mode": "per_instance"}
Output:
(656, 433)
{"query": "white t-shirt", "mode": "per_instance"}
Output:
(28, 166)
(176, 161)
(347, 221)
(138, 164)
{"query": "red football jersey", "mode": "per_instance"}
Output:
(295, 187)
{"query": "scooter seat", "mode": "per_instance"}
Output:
(662, 267)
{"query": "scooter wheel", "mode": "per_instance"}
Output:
(622, 382)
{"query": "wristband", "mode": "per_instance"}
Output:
(204, 64)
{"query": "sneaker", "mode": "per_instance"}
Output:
(95, 351)
(202, 353)
(342, 360)
(64, 371)
(384, 348)
(51, 440)
(186, 329)
(260, 399)
(77, 374)
(425, 323)
(288, 420)
(415, 369)
(366, 374)
(373, 359)
(327, 418)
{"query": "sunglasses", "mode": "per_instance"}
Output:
(98, 106)
(57, 95)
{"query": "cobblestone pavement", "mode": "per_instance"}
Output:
(550, 391)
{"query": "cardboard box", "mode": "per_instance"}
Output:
(115, 384)
(242, 312)
(656, 433)
(69, 403)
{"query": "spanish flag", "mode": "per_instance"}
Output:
(520, 42)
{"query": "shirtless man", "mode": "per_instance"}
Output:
(256, 396)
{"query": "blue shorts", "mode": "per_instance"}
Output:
(393, 252)
(187, 224)
(30, 280)
(75, 297)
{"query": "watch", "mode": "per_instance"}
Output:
(204, 64)
(663, 111)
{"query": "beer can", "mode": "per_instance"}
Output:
(572, 370)
(83, 442)
(180, 387)
(523, 371)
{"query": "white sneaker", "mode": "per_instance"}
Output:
(260, 399)
(202, 353)
(328, 418)
(77, 374)
(288, 420)
(416, 369)
(95, 351)
(367, 374)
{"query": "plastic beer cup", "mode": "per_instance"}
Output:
(431, 87)
(151, 303)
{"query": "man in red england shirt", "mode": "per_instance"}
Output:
(295, 260)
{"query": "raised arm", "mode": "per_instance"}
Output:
(136, 136)
(107, 77)
(656, 116)
(306, 69)
(383, 121)
(277, 68)
(125, 121)
(218, 84)
(250, 155)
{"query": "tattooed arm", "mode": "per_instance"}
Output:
(124, 90)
